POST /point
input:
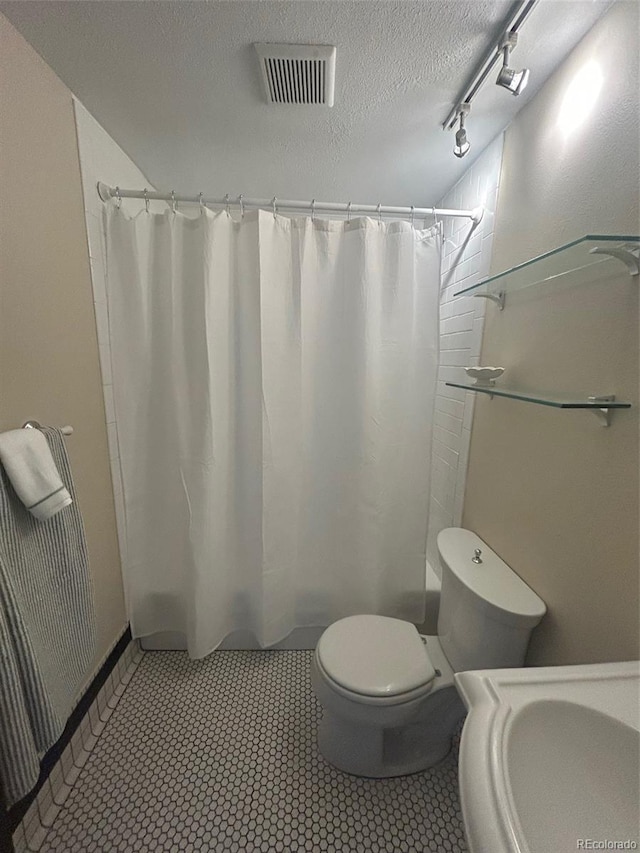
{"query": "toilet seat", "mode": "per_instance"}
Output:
(375, 660)
(396, 700)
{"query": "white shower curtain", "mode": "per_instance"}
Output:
(274, 383)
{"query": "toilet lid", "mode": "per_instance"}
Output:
(375, 655)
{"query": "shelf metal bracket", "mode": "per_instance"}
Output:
(603, 414)
(498, 298)
(628, 258)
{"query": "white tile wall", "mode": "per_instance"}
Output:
(466, 259)
(102, 159)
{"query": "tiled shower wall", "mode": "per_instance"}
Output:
(101, 159)
(466, 259)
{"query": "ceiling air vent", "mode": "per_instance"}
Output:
(298, 73)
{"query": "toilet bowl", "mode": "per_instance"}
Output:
(390, 705)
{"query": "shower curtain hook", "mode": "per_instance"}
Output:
(241, 206)
(226, 204)
(201, 203)
(146, 200)
(413, 212)
(313, 209)
(349, 212)
(118, 198)
(173, 201)
(379, 209)
(273, 202)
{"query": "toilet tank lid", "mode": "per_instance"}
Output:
(492, 580)
(375, 655)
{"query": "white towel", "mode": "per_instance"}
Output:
(26, 458)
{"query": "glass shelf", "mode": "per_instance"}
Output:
(585, 256)
(599, 405)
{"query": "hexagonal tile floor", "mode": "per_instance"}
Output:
(220, 755)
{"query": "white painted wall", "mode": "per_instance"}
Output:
(571, 157)
(49, 367)
(552, 492)
(466, 259)
(102, 159)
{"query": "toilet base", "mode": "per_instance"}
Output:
(380, 753)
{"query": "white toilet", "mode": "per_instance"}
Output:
(390, 706)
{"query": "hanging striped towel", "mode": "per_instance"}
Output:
(47, 626)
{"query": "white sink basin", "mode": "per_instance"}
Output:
(550, 756)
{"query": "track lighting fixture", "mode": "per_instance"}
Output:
(462, 143)
(511, 80)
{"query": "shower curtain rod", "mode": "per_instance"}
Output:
(106, 192)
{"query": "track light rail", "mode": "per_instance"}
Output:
(518, 14)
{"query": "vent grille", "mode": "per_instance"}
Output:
(298, 74)
(296, 81)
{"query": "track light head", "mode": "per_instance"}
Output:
(513, 81)
(510, 79)
(462, 144)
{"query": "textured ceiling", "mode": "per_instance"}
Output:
(177, 85)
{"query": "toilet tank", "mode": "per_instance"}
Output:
(487, 613)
